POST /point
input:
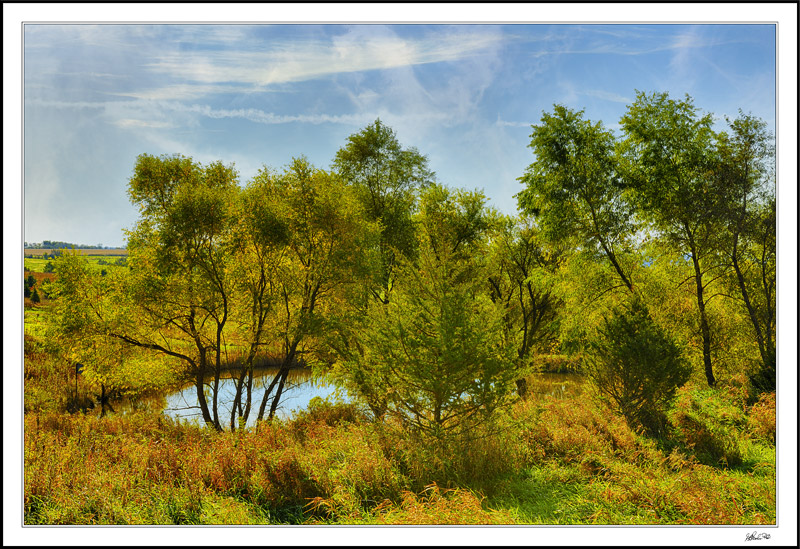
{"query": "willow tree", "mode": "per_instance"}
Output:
(327, 256)
(259, 243)
(669, 152)
(744, 171)
(574, 191)
(386, 178)
(178, 266)
(175, 298)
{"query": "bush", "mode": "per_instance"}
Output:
(329, 413)
(761, 418)
(763, 380)
(636, 367)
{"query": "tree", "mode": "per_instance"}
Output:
(35, 296)
(749, 212)
(520, 273)
(669, 152)
(327, 256)
(174, 300)
(437, 347)
(386, 178)
(636, 366)
(259, 239)
(573, 188)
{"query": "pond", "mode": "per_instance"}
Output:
(301, 387)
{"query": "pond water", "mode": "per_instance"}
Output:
(301, 387)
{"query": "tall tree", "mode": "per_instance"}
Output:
(175, 298)
(178, 262)
(329, 242)
(744, 172)
(387, 178)
(259, 243)
(573, 188)
(669, 152)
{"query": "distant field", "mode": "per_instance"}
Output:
(37, 264)
(41, 252)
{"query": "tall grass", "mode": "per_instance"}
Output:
(556, 459)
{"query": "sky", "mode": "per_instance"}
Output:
(465, 95)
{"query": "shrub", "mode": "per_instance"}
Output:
(636, 367)
(477, 459)
(572, 431)
(761, 418)
(324, 411)
(763, 380)
(436, 506)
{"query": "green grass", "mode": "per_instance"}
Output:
(35, 321)
(95, 262)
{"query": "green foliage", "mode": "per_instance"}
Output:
(386, 178)
(437, 348)
(49, 268)
(573, 188)
(709, 425)
(636, 367)
(429, 306)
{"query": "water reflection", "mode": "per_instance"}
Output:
(300, 388)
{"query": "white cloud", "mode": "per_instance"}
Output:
(132, 123)
(608, 96)
(296, 61)
(511, 124)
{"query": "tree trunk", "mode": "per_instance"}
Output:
(284, 373)
(750, 310)
(705, 330)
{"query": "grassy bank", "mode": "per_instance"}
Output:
(549, 460)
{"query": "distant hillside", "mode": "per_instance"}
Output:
(59, 245)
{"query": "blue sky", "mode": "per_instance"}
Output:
(96, 96)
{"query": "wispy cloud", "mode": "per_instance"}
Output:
(608, 96)
(296, 61)
(512, 124)
(133, 123)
